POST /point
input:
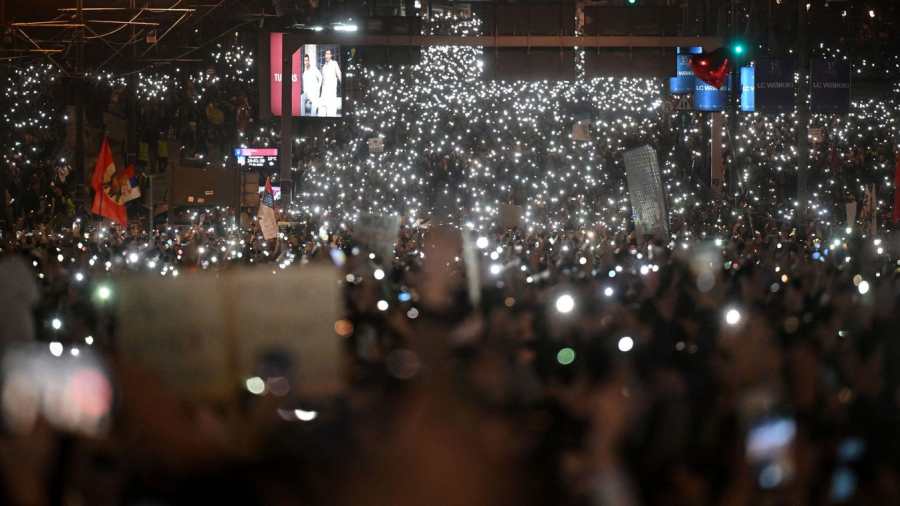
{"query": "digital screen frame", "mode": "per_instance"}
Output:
(256, 157)
(317, 79)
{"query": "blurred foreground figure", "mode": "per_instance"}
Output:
(18, 295)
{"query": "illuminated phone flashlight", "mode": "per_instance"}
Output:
(565, 304)
(732, 316)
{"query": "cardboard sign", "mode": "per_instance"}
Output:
(378, 234)
(376, 145)
(473, 267)
(851, 213)
(510, 215)
(646, 192)
(204, 334)
(581, 131)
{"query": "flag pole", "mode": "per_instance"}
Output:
(96, 191)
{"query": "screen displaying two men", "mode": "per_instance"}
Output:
(316, 79)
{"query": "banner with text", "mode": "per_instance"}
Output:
(775, 85)
(708, 98)
(683, 82)
(830, 86)
(748, 89)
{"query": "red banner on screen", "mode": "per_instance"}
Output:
(275, 77)
(256, 152)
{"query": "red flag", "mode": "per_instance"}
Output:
(108, 198)
(897, 190)
(711, 68)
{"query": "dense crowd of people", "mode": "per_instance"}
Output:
(592, 367)
(748, 357)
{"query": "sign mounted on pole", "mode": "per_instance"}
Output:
(708, 98)
(683, 82)
(830, 86)
(775, 85)
(748, 89)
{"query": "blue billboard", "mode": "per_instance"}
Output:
(830, 86)
(775, 85)
(748, 89)
(708, 98)
(683, 82)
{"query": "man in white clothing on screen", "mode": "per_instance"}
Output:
(329, 101)
(312, 86)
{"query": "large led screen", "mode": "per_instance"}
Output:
(317, 79)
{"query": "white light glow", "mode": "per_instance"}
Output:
(565, 304)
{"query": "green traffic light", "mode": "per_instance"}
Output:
(738, 49)
(632, 2)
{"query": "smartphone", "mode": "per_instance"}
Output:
(769, 448)
(338, 257)
(844, 479)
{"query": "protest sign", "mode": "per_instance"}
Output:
(510, 215)
(205, 334)
(378, 234)
(646, 192)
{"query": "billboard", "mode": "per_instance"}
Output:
(774, 85)
(321, 81)
(748, 89)
(256, 157)
(276, 76)
(317, 80)
(683, 82)
(708, 98)
(830, 86)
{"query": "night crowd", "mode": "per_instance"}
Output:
(749, 357)
(750, 365)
